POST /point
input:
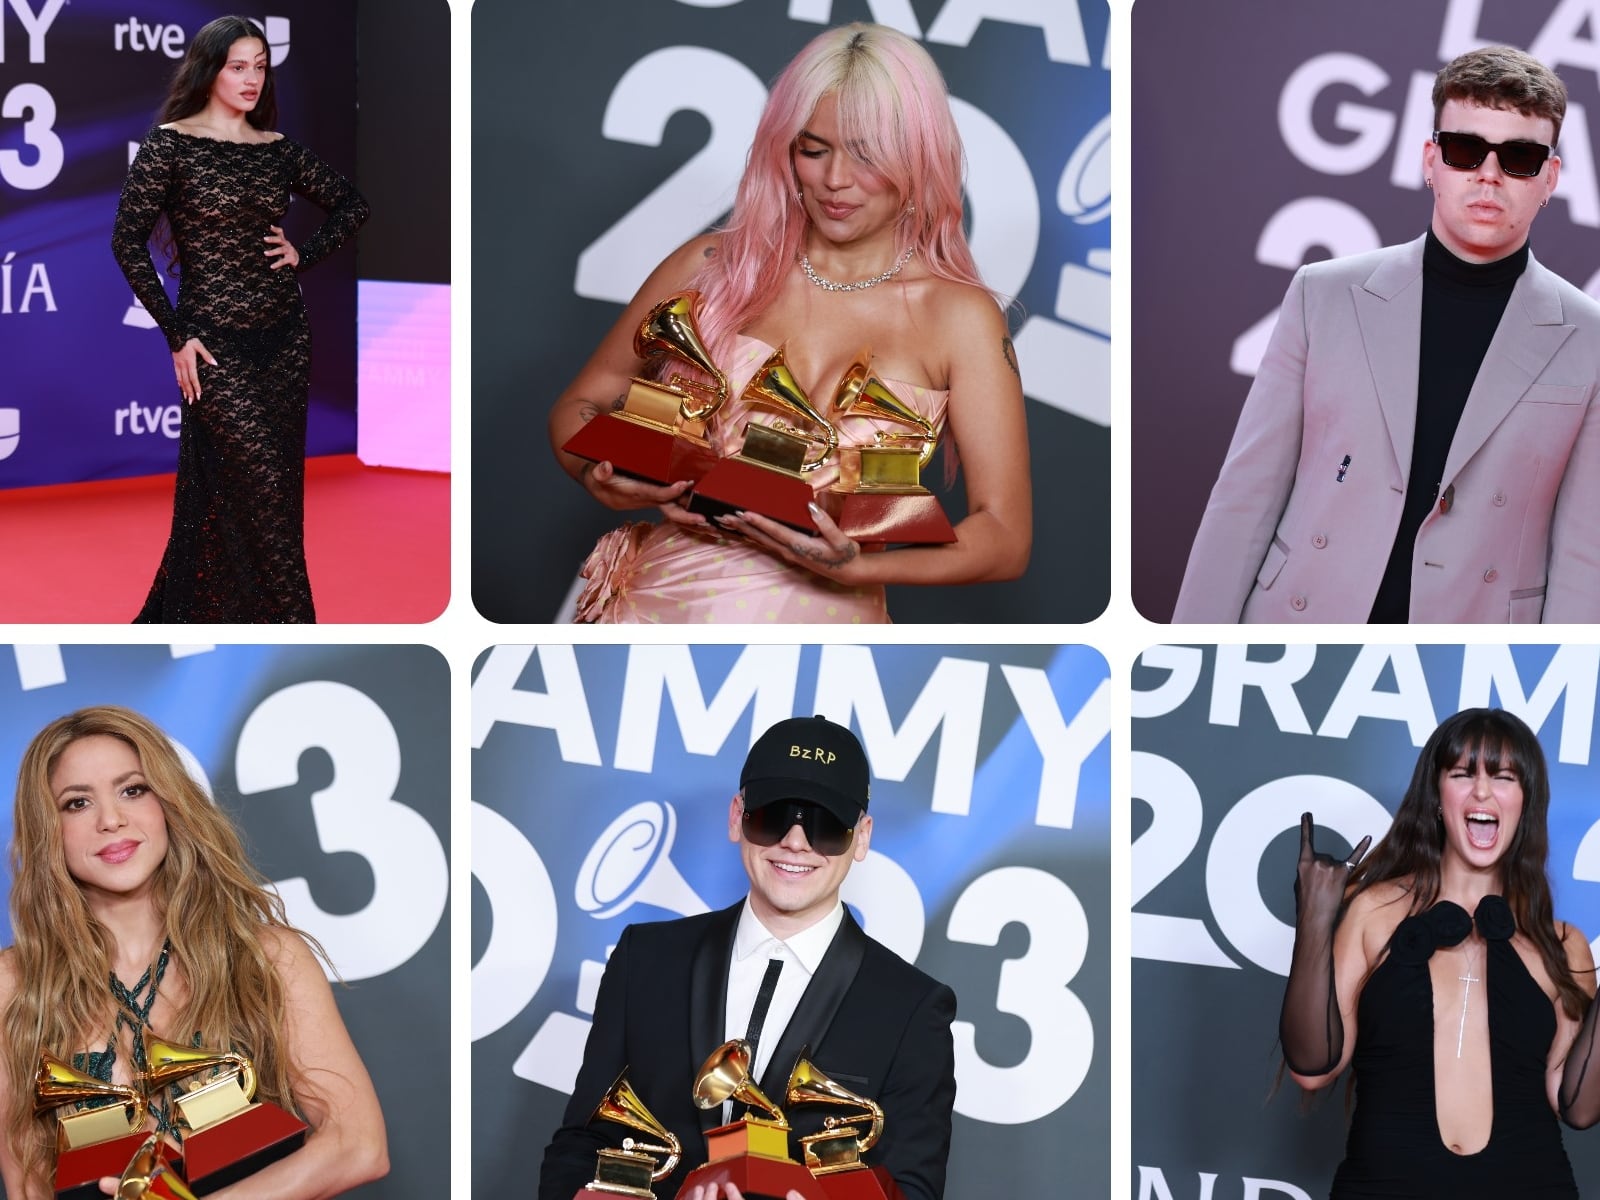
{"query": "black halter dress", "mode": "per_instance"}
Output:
(1394, 1149)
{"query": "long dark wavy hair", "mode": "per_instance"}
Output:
(207, 55)
(1409, 853)
(190, 89)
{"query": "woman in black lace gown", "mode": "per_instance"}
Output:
(1435, 967)
(212, 181)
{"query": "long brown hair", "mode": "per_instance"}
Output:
(214, 905)
(1410, 852)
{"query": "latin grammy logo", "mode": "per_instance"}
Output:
(629, 864)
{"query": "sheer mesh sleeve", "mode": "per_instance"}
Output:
(145, 193)
(1310, 1025)
(1580, 1078)
(328, 190)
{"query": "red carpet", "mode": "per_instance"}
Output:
(377, 545)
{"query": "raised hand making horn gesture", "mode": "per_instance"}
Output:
(1310, 1026)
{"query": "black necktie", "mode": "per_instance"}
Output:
(758, 1014)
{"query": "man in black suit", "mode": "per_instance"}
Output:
(674, 991)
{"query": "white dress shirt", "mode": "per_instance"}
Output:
(753, 947)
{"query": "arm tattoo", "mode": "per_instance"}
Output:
(589, 410)
(826, 556)
(1010, 352)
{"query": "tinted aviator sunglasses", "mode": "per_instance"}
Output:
(1467, 151)
(770, 825)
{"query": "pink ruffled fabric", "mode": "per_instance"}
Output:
(609, 569)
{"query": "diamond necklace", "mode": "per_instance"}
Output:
(860, 285)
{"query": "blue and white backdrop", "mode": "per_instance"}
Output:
(601, 779)
(1230, 745)
(334, 761)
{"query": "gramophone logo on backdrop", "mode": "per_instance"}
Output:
(630, 863)
(10, 431)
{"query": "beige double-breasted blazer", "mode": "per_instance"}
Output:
(1295, 532)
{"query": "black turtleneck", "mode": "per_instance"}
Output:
(1462, 304)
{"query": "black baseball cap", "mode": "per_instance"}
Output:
(808, 758)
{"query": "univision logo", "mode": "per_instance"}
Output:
(10, 431)
(277, 31)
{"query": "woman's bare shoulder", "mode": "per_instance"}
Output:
(1387, 902)
(1580, 955)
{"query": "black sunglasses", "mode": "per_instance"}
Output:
(1466, 152)
(769, 825)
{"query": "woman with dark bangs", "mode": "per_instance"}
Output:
(212, 181)
(846, 233)
(135, 915)
(1436, 968)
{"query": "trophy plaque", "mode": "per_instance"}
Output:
(150, 1176)
(752, 1153)
(834, 1154)
(92, 1142)
(659, 433)
(879, 498)
(226, 1136)
(769, 475)
(631, 1170)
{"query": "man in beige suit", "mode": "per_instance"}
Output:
(1422, 440)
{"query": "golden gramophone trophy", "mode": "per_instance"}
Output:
(834, 1154)
(631, 1170)
(770, 475)
(149, 1175)
(752, 1153)
(879, 498)
(90, 1142)
(225, 1136)
(659, 433)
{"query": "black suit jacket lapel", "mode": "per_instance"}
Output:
(823, 995)
(708, 999)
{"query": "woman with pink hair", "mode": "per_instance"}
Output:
(845, 233)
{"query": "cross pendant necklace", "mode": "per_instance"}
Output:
(1467, 980)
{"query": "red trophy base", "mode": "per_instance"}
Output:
(745, 485)
(78, 1172)
(590, 1193)
(869, 1183)
(241, 1145)
(757, 1178)
(889, 518)
(641, 450)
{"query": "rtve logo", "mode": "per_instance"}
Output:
(134, 34)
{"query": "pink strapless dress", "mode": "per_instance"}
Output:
(666, 573)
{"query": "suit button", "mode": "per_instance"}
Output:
(1319, 540)
(1491, 575)
(1298, 603)
(1498, 499)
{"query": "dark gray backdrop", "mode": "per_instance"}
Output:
(1230, 745)
(547, 184)
(1268, 134)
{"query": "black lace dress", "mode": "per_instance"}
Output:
(237, 548)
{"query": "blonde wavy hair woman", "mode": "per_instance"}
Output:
(123, 870)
